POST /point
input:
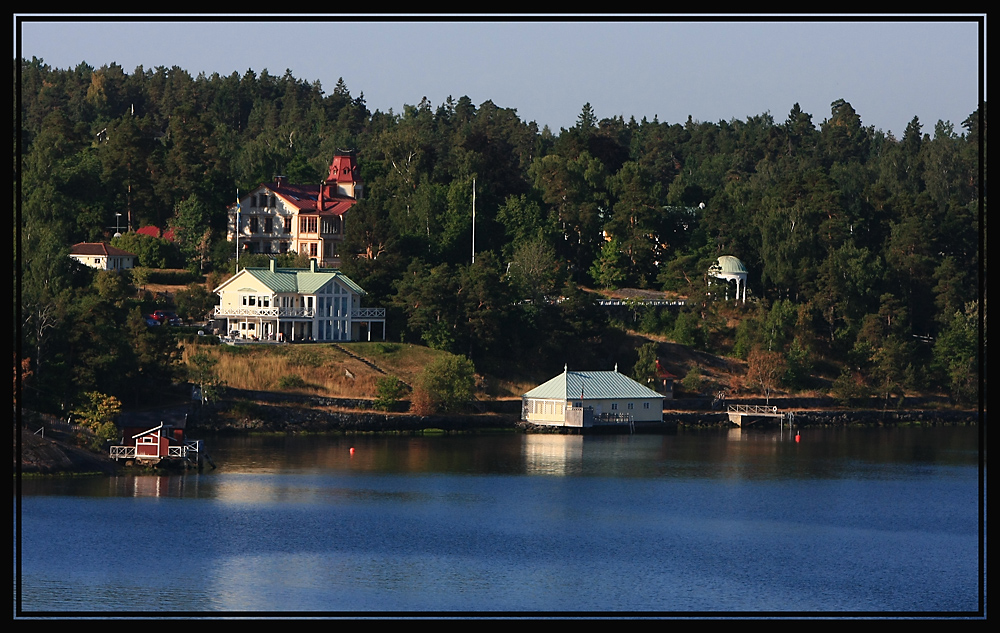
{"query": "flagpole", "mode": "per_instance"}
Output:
(237, 231)
(473, 220)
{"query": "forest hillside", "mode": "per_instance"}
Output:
(862, 250)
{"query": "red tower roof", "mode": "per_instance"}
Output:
(344, 168)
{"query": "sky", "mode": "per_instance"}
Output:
(713, 68)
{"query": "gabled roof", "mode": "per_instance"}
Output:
(591, 385)
(295, 280)
(98, 249)
(304, 198)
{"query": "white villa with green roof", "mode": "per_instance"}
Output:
(295, 305)
(591, 398)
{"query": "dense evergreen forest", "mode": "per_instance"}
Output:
(862, 248)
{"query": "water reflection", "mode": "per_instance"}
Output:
(552, 454)
(886, 519)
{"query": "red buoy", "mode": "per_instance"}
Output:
(352, 451)
(797, 438)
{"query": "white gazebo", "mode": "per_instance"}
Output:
(731, 269)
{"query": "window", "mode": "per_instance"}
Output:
(269, 225)
(645, 405)
(614, 406)
(288, 225)
(312, 250)
(307, 225)
(253, 224)
(631, 405)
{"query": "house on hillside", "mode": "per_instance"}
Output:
(279, 217)
(591, 398)
(665, 381)
(103, 256)
(295, 305)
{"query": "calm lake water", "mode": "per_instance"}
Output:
(847, 520)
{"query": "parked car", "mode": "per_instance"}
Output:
(165, 317)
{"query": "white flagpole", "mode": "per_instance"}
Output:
(237, 231)
(473, 220)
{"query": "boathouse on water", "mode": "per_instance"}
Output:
(591, 398)
(155, 445)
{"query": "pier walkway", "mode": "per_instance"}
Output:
(740, 414)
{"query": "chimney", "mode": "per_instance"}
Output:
(278, 181)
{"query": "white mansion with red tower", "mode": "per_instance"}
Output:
(280, 217)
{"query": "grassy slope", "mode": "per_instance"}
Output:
(325, 369)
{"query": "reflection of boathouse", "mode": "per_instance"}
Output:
(591, 398)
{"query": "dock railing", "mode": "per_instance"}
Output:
(122, 452)
(753, 409)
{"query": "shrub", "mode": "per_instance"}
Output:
(449, 383)
(388, 391)
(692, 381)
(291, 381)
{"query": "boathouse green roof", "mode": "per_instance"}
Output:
(591, 385)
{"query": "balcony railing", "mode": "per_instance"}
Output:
(302, 313)
(368, 313)
(305, 313)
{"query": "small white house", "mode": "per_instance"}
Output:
(295, 305)
(103, 256)
(591, 398)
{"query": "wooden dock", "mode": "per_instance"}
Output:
(740, 414)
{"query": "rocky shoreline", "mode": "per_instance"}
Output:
(61, 452)
(326, 416)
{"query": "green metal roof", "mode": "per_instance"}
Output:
(593, 385)
(301, 280)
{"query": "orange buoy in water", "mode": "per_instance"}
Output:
(352, 451)
(797, 438)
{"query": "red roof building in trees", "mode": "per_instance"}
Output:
(279, 217)
(665, 380)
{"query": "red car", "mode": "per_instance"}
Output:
(164, 317)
